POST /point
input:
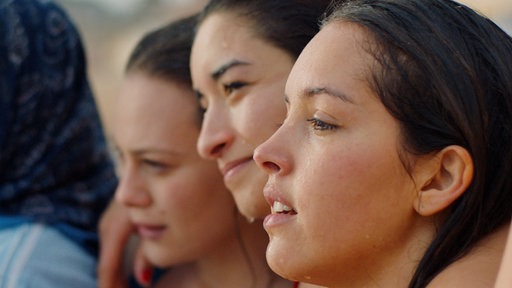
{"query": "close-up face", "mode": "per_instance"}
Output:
(342, 200)
(176, 199)
(240, 80)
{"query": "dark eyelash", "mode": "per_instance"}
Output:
(232, 86)
(154, 164)
(320, 125)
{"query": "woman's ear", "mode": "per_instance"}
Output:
(444, 178)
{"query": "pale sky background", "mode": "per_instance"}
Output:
(110, 29)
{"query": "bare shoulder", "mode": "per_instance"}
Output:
(504, 279)
(479, 268)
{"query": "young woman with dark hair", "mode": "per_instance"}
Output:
(242, 53)
(184, 216)
(392, 168)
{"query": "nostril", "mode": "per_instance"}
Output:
(271, 166)
(216, 151)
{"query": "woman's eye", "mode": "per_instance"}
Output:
(154, 165)
(232, 87)
(320, 125)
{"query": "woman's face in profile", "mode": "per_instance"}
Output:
(342, 200)
(240, 81)
(173, 196)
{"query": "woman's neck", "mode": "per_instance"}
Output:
(239, 262)
(479, 267)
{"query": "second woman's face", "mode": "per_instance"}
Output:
(176, 199)
(240, 80)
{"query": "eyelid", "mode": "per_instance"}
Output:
(320, 125)
(155, 165)
(235, 84)
(232, 86)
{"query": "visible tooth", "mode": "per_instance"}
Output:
(279, 207)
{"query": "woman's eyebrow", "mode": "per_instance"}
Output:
(314, 91)
(217, 73)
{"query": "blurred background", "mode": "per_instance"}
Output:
(110, 29)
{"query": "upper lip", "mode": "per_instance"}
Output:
(230, 165)
(144, 222)
(271, 194)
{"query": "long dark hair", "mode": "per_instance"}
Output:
(445, 73)
(287, 24)
(165, 53)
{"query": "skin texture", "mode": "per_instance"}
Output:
(265, 85)
(160, 169)
(335, 161)
(243, 103)
(183, 213)
(355, 216)
(504, 278)
(479, 268)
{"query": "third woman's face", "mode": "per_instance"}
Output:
(176, 199)
(240, 79)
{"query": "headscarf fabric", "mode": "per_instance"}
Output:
(54, 161)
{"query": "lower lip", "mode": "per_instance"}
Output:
(274, 220)
(235, 170)
(150, 232)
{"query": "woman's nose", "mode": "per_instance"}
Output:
(216, 136)
(273, 155)
(131, 191)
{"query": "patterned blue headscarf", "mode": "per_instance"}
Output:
(54, 162)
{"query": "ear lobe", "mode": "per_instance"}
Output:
(450, 174)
